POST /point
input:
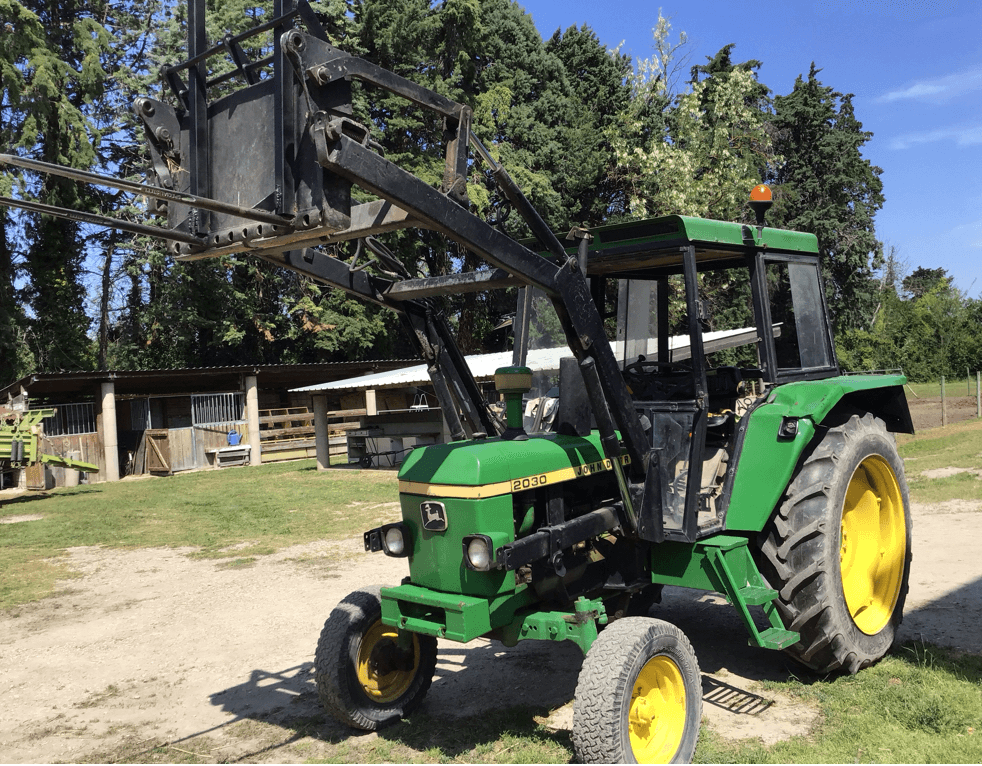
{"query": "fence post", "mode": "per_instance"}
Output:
(978, 394)
(944, 406)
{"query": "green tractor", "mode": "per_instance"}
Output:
(776, 484)
(707, 441)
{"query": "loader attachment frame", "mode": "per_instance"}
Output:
(267, 170)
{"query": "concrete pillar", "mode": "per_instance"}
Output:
(370, 405)
(322, 439)
(110, 438)
(252, 415)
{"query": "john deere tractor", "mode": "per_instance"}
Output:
(709, 441)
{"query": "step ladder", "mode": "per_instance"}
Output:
(723, 563)
(744, 586)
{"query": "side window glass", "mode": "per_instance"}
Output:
(800, 331)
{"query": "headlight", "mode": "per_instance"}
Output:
(478, 552)
(395, 543)
(393, 539)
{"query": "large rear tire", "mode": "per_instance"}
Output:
(838, 550)
(364, 678)
(639, 696)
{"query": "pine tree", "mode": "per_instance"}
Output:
(51, 61)
(825, 186)
(598, 78)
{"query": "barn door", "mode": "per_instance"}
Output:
(158, 451)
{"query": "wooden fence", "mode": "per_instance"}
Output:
(287, 433)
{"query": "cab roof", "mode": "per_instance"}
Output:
(653, 247)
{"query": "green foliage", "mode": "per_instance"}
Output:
(600, 92)
(826, 187)
(712, 152)
(53, 72)
(589, 137)
(928, 331)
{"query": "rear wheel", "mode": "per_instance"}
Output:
(838, 550)
(639, 696)
(364, 677)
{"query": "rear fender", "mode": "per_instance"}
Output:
(768, 449)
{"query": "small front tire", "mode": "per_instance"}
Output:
(364, 678)
(639, 696)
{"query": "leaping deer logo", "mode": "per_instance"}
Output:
(434, 516)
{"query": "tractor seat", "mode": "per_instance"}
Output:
(719, 420)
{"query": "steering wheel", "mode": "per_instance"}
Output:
(647, 367)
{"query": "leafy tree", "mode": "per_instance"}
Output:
(16, 359)
(825, 186)
(51, 61)
(927, 328)
(922, 281)
(598, 79)
(713, 149)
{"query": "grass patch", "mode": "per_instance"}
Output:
(920, 704)
(245, 549)
(953, 387)
(98, 698)
(231, 514)
(505, 736)
(27, 575)
(957, 446)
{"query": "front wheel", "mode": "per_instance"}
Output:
(365, 677)
(838, 550)
(639, 696)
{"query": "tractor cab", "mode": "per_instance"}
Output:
(710, 314)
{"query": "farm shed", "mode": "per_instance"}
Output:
(398, 409)
(162, 421)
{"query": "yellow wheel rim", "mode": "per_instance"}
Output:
(874, 544)
(657, 715)
(380, 682)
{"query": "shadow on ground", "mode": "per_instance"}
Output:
(483, 690)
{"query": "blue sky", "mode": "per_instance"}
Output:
(914, 67)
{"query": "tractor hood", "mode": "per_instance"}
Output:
(490, 467)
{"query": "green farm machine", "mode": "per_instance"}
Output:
(759, 472)
(22, 442)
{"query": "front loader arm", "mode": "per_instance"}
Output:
(563, 283)
(267, 170)
(426, 326)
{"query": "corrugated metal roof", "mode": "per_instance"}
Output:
(191, 378)
(482, 366)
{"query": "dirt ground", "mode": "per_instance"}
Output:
(926, 411)
(150, 653)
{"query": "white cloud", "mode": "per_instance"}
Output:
(969, 233)
(968, 136)
(939, 88)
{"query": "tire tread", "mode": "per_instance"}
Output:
(796, 556)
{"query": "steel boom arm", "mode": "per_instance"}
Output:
(564, 284)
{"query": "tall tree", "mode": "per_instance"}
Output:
(922, 280)
(711, 150)
(826, 186)
(599, 81)
(53, 76)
